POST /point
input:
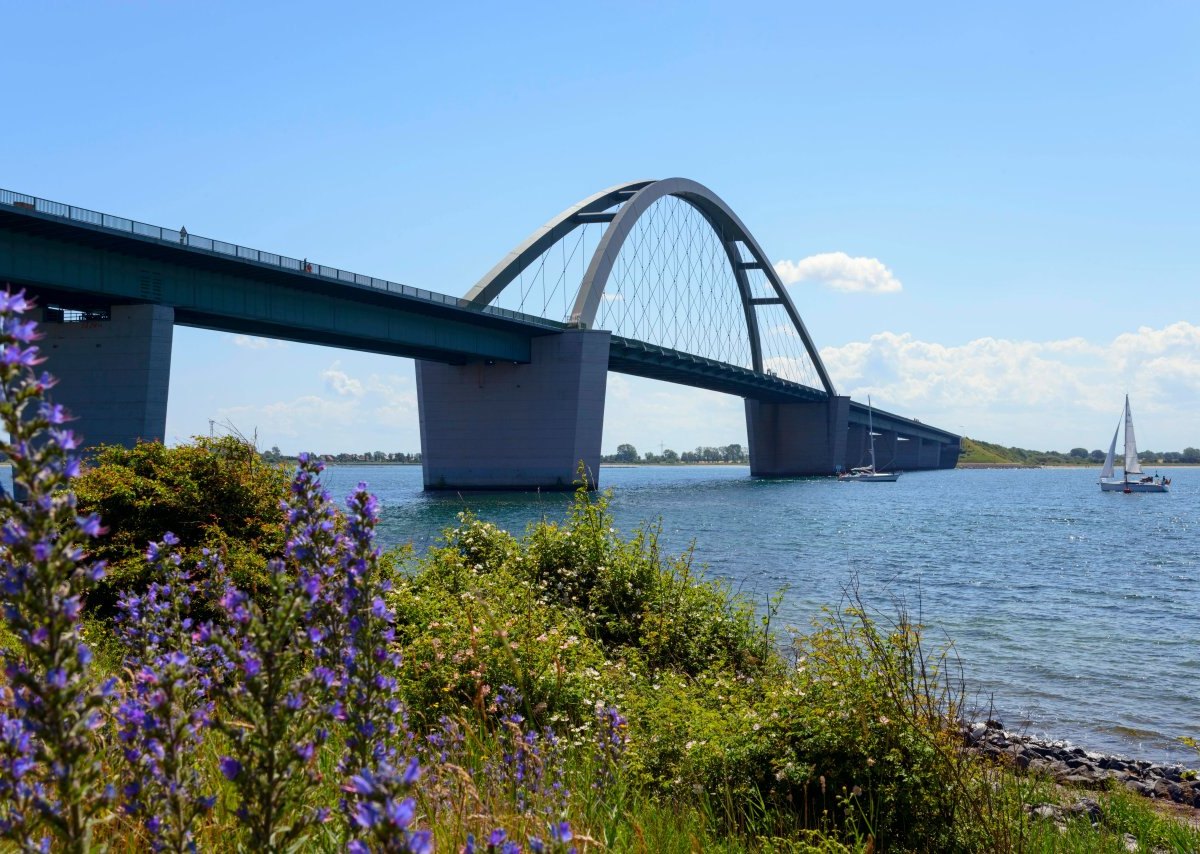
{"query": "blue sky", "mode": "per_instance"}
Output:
(1026, 173)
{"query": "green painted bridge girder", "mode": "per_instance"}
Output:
(80, 260)
(72, 263)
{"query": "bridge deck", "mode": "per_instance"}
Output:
(68, 252)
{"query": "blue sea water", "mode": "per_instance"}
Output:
(1076, 613)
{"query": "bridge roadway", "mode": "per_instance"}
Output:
(82, 259)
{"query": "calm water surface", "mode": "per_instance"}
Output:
(1076, 612)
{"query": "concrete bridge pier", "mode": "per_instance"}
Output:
(113, 375)
(930, 454)
(886, 445)
(908, 453)
(500, 425)
(858, 449)
(795, 439)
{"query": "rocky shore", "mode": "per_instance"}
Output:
(1075, 766)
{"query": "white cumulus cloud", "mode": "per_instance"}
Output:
(341, 382)
(373, 411)
(839, 271)
(1045, 395)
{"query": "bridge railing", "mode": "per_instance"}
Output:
(187, 240)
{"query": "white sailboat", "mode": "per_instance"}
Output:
(1132, 479)
(867, 474)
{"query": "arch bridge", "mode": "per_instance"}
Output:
(671, 286)
(659, 279)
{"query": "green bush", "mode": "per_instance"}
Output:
(633, 597)
(850, 735)
(214, 493)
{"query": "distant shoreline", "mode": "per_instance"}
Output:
(1065, 466)
(1008, 466)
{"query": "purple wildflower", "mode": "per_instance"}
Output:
(44, 576)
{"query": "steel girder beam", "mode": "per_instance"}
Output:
(660, 363)
(77, 261)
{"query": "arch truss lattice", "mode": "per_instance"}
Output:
(665, 263)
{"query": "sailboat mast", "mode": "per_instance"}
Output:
(871, 431)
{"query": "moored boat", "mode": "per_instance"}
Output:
(1133, 479)
(868, 474)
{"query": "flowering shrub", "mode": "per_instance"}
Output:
(383, 813)
(276, 713)
(166, 706)
(634, 596)
(374, 714)
(528, 767)
(213, 493)
(50, 713)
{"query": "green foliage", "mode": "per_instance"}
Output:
(214, 493)
(635, 599)
(560, 613)
(975, 452)
(852, 741)
(843, 741)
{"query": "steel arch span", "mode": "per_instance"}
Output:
(619, 209)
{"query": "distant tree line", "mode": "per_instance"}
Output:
(975, 451)
(629, 455)
(274, 455)
(1187, 455)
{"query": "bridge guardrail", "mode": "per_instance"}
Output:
(178, 237)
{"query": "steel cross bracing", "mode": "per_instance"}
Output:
(666, 263)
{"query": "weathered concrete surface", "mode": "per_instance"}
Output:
(113, 375)
(493, 425)
(796, 439)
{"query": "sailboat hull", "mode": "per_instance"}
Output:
(878, 477)
(1133, 486)
(1140, 483)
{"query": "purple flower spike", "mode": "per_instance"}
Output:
(412, 773)
(367, 815)
(230, 767)
(401, 814)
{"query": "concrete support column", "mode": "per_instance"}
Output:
(858, 449)
(908, 453)
(885, 450)
(113, 375)
(931, 453)
(487, 425)
(792, 439)
(949, 455)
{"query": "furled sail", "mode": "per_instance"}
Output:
(1106, 473)
(1132, 465)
